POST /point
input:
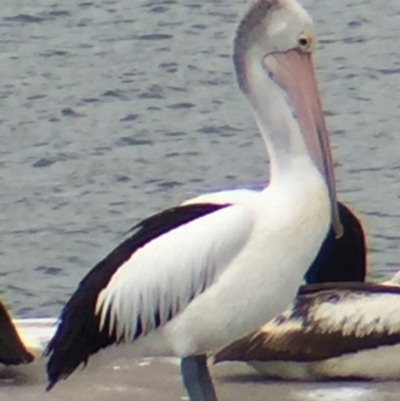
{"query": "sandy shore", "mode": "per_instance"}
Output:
(120, 379)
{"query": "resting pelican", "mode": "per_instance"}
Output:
(201, 275)
(12, 348)
(332, 331)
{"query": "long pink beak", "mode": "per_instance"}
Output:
(293, 71)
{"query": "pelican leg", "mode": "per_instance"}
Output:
(196, 378)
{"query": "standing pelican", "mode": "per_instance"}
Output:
(203, 275)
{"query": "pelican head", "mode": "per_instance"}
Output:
(273, 62)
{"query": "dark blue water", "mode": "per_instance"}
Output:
(112, 110)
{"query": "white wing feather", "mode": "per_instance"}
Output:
(162, 277)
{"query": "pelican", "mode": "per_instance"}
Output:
(332, 331)
(200, 275)
(12, 349)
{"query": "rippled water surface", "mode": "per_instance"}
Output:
(112, 110)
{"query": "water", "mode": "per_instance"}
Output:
(112, 110)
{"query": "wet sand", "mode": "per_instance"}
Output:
(120, 379)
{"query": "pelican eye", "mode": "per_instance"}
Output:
(304, 41)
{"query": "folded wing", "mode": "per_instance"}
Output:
(169, 260)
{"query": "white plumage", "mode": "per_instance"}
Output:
(358, 313)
